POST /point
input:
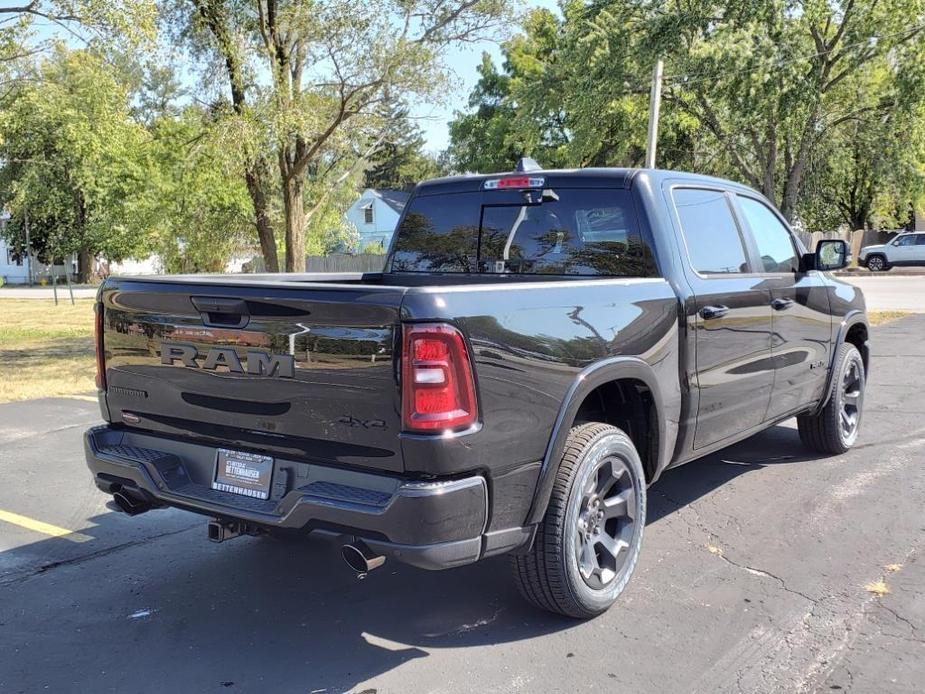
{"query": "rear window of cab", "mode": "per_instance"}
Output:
(573, 231)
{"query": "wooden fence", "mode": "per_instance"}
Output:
(336, 262)
(339, 262)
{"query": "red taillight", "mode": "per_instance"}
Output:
(438, 390)
(100, 354)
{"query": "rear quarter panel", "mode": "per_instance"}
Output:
(530, 342)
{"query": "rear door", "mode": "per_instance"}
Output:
(731, 316)
(903, 250)
(920, 249)
(801, 320)
(305, 370)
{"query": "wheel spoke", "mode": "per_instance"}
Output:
(587, 560)
(612, 546)
(852, 397)
(848, 421)
(620, 505)
(608, 475)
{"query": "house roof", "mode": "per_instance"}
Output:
(395, 199)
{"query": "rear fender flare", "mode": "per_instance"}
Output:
(605, 371)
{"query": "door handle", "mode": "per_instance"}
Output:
(710, 312)
(781, 304)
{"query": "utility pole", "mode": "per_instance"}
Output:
(655, 103)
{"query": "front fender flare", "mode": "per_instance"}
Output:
(605, 371)
(851, 319)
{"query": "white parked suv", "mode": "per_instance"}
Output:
(905, 249)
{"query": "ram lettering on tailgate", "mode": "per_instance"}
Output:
(257, 363)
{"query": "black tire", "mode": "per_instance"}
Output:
(877, 263)
(551, 575)
(835, 429)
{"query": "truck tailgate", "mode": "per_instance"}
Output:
(303, 369)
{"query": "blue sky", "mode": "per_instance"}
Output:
(463, 61)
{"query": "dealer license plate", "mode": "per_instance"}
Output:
(248, 474)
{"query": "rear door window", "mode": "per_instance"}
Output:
(714, 244)
(570, 231)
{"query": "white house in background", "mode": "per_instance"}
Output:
(13, 269)
(375, 215)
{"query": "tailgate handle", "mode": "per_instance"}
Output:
(217, 312)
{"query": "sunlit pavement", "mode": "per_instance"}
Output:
(756, 576)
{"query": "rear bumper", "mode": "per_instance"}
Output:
(432, 524)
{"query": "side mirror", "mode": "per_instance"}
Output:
(831, 254)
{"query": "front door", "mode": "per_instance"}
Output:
(801, 320)
(730, 315)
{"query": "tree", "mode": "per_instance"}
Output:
(70, 161)
(568, 95)
(486, 139)
(127, 23)
(790, 87)
(399, 162)
(872, 167)
(794, 97)
(330, 66)
(198, 215)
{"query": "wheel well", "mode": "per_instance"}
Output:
(629, 405)
(857, 335)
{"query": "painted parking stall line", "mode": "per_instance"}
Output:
(42, 527)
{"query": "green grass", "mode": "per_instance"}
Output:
(45, 350)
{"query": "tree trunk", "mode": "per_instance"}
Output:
(295, 224)
(792, 191)
(84, 266)
(215, 17)
(257, 191)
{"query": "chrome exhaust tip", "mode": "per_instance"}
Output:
(361, 558)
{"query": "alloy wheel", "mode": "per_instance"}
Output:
(875, 264)
(852, 392)
(606, 522)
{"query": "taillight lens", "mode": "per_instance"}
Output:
(438, 390)
(100, 354)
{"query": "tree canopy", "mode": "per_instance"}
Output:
(818, 104)
(308, 82)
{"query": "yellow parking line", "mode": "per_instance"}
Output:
(44, 528)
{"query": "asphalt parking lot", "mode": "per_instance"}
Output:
(764, 569)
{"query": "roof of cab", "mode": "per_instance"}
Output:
(572, 178)
(561, 178)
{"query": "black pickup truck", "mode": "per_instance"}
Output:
(539, 348)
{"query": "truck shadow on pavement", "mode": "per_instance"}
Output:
(176, 612)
